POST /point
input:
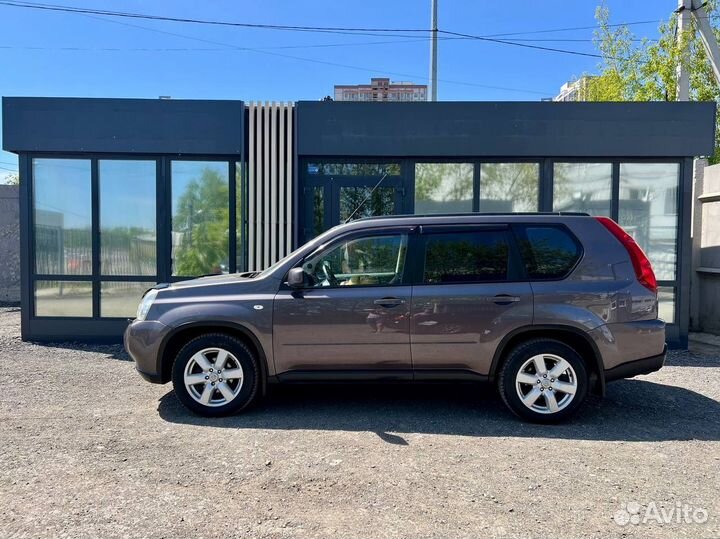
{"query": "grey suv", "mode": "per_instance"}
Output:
(548, 307)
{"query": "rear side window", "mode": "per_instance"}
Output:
(464, 257)
(549, 252)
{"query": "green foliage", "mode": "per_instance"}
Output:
(11, 178)
(647, 70)
(201, 222)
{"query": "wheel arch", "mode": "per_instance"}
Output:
(569, 335)
(178, 337)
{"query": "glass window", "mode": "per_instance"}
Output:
(318, 216)
(63, 298)
(200, 217)
(239, 217)
(466, 257)
(376, 260)
(121, 299)
(62, 214)
(648, 211)
(548, 252)
(443, 187)
(666, 304)
(353, 169)
(584, 187)
(127, 217)
(359, 202)
(509, 187)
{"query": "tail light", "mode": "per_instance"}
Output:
(643, 269)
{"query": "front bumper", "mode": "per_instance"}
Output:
(142, 341)
(637, 367)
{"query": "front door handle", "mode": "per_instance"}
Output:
(504, 299)
(389, 302)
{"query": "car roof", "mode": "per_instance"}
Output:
(464, 218)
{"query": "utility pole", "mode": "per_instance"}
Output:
(696, 10)
(433, 51)
(684, 11)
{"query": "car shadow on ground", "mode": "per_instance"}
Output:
(633, 410)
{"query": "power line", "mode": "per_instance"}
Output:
(321, 62)
(524, 45)
(125, 14)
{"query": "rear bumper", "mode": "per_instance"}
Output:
(637, 367)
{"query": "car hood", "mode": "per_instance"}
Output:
(227, 278)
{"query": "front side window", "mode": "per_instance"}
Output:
(374, 260)
(548, 252)
(465, 257)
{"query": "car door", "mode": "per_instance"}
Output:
(469, 294)
(352, 317)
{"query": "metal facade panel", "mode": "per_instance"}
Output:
(163, 126)
(270, 164)
(512, 129)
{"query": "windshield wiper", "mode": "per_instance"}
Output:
(365, 199)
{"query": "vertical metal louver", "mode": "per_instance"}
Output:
(270, 182)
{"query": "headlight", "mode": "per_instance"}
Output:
(145, 304)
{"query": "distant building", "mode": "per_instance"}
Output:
(574, 90)
(381, 89)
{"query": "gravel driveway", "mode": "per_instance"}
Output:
(87, 449)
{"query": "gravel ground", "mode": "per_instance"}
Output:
(87, 449)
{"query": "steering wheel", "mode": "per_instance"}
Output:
(328, 273)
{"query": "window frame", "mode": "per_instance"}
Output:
(237, 236)
(515, 273)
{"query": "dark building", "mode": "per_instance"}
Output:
(119, 194)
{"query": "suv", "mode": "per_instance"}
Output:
(548, 307)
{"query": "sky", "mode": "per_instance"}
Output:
(45, 53)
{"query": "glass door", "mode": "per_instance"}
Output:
(360, 191)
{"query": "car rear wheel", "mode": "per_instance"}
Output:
(215, 375)
(544, 381)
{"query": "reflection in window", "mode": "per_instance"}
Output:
(127, 217)
(353, 169)
(666, 304)
(318, 216)
(200, 217)
(377, 260)
(359, 202)
(121, 299)
(443, 187)
(466, 257)
(63, 298)
(62, 216)
(239, 217)
(648, 211)
(583, 187)
(509, 187)
(548, 252)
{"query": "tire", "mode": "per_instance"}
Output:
(212, 395)
(552, 398)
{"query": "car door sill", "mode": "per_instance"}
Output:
(380, 375)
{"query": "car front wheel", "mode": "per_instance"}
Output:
(215, 375)
(544, 381)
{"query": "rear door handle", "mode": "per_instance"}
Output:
(504, 299)
(389, 302)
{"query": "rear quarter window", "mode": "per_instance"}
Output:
(549, 252)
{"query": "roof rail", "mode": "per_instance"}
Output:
(475, 214)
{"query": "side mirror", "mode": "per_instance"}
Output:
(296, 278)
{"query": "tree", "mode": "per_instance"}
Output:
(11, 178)
(646, 70)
